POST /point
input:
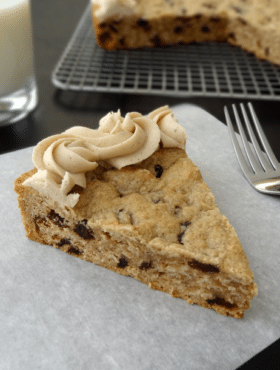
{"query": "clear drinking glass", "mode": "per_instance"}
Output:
(18, 90)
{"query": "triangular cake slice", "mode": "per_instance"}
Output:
(156, 221)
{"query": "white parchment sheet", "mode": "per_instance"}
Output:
(61, 313)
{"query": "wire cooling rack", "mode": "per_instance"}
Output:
(210, 69)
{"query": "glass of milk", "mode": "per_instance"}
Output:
(18, 91)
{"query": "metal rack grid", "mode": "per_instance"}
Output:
(212, 69)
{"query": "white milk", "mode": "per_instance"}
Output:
(16, 58)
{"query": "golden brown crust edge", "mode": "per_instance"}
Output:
(22, 191)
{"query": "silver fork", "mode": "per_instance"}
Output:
(262, 170)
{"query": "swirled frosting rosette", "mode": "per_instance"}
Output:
(62, 161)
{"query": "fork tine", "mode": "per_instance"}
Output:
(263, 138)
(254, 141)
(255, 165)
(236, 146)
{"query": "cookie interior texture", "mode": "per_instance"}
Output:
(251, 24)
(157, 222)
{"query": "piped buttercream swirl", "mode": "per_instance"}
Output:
(63, 160)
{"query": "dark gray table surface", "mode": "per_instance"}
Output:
(53, 24)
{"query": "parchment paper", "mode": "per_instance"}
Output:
(59, 312)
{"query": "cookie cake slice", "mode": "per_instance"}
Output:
(128, 198)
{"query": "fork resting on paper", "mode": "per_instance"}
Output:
(260, 167)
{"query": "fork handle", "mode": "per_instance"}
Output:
(269, 186)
